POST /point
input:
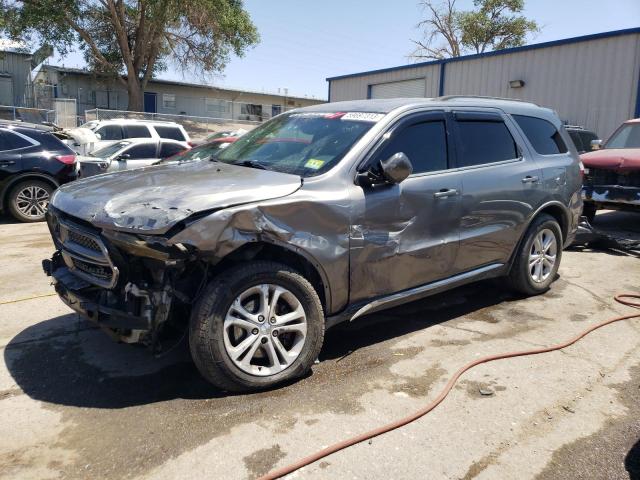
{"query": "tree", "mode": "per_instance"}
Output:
(492, 25)
(131, 40)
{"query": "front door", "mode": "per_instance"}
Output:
(500, 183)
(137, 156)
(406, 235)
(150, 102)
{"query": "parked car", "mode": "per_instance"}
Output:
(128, 154)
(207, 151)
(582, 138)
(33, 163)
(319, 216)
(612, 174)
(109, 132)
(225, 134)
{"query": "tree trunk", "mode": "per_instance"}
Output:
(136, 95)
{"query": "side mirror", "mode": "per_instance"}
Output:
(596, 144)
(124, 156)
(396, 168)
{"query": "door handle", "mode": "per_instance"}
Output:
(6, 163)
(530, 179)
(445, 192)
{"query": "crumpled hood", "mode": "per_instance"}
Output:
(616, 159)
(151, 200)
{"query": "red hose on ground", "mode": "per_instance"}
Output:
(314, 457)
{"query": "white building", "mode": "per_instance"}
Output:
(592, 81)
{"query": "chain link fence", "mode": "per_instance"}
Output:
(196, 127)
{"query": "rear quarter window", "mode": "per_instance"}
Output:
(171, 133)
(11, 141)
(543, 135)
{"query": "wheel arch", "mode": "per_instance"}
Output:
(6, 189)
(292, 257)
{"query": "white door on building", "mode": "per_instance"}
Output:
(403, 89)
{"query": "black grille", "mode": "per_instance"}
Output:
(84, 241)
(598, 176)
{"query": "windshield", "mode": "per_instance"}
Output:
(207, 151)
(303, 143)
(110, 150)
(627, 136)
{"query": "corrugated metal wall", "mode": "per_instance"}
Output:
(356, 88)
(593, 83)
(16, 66)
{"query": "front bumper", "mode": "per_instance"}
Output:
(612, 196)
(89, 301)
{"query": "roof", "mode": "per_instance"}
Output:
(80, 71)
(11, 46)
(506, 51)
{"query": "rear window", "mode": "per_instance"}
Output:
(171, 133)
(136, 131)
(543, 135)
(169, 149)
(485, 142)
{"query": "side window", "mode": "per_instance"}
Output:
(543, 135)
(484, 142)
(11, 141)
(138, 152)
(110, 132)
(424, 143)
(171, 133)
(136, 131)
(168, 149)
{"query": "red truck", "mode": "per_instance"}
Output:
(612, 173)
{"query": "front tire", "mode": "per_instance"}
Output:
(28, 200)
(538, 259)
(256, 325)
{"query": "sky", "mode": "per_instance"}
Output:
(305, 41)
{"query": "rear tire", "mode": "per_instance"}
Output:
(238, 346)
(28, 200)
(538, 259)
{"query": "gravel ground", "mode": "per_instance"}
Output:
(75, 405)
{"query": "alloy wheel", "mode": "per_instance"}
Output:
(32, 201)
(543, 254)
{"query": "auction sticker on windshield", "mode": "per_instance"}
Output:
(314, 163)
(363, 116)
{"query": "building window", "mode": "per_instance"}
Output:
(276, 110)
(217, 107)
(252, 112)
(168, 100)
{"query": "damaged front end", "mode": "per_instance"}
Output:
(612, 189)
(139, 289)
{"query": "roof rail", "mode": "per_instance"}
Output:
(20, 123)
(482, 97)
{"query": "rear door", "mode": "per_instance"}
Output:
(406, 235)
(500, 183)
(11, 146)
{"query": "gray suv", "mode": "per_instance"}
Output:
(319, 216)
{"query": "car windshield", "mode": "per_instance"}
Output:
(300, 143)
(628, 136)
(106, 152)
(207, 151)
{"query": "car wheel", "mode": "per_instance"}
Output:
(256, 326)
(538, 258)
(589, 211)
(28, 200)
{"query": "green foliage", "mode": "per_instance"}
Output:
(136, 38)
(491, 25)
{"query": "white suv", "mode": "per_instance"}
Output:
(112, 131)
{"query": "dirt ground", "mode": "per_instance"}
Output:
(73, 404)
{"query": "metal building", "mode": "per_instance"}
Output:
(15, 68)
(592, 81)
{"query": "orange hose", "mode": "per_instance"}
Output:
(314, 457)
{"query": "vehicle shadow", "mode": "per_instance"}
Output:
(632, 462)
(67, 361)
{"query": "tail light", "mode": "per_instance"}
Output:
(66, 159)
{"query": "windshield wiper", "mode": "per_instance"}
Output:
(254, 164)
